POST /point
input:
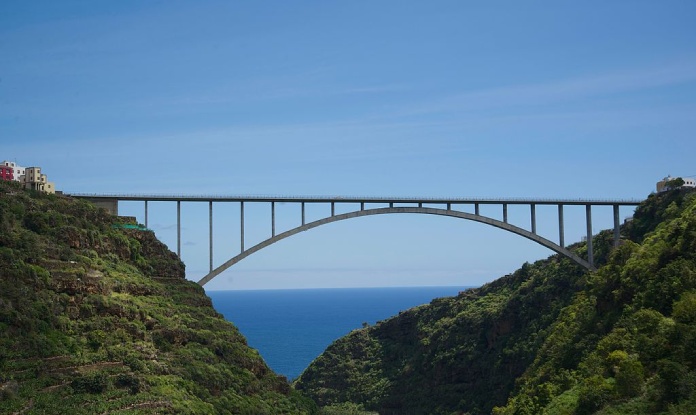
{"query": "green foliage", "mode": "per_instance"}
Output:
(628, 372)
(101, 320)
(548, 339)
(345, 408)
(595, 392)
(96, 382)
(674, 183)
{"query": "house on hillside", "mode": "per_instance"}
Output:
(35, 180)
(6, 173)
(665, 184)
(17, 170)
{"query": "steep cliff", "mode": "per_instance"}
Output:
(96, 319)
(550, 338)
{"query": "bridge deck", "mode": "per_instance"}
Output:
(356, 199)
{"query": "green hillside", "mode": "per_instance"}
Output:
(97, 319)
(548, 339)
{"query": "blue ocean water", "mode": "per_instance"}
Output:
(292, 327)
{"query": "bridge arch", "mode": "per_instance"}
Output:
(391, 210)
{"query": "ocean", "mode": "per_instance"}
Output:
(290, 328)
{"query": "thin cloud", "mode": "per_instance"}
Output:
(557, 91)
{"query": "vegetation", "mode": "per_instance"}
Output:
(98, 319)
(548, 339)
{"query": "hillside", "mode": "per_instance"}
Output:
(549, 338)
(95, 319)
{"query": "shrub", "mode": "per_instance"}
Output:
(128, 381)
(594, 394)
(96, 382)
(629, 379)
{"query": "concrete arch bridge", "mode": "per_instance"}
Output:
(365, 206)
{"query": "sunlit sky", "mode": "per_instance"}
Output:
(553, 99)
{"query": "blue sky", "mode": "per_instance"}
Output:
(558, 99)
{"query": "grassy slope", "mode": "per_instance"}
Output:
(549, 328)
(96, 320)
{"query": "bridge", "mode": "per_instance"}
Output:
(367, 206)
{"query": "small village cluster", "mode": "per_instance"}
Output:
(30, 177)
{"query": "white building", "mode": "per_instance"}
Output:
(19, 171)
(688, 182)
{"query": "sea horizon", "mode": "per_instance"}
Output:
(338, 288)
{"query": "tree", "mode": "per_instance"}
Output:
(674, 183)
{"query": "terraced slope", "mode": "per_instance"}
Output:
(96, 319)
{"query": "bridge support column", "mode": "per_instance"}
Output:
(178, 228)
(477, 211)
(146, 213)
(333, 209)
(588, 216)
(303, 215)
(449, 206)
(210, 232)
(617, 233)
(241, 225)
(272, 218)
(532, 211)
(362, 205)
(505, 213)
(561, 241)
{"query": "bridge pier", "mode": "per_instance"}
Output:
(532, 212)
(210, 232)
(588, 218)
(178, 228)
(617, 231)
(241, 226)
(561, 241)
(146, 213)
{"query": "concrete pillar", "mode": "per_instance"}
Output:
(178, 228)
(272, 219)
(617, 233)
(333, 208)
(505, 212)
(477, 211)
(362, 205)
(111, 205)
(303, 214)
(391, 205)
(420, 204)
(561, 241)
(449, 206)
(210, 232)
(241, 225)
(590, 252)
(532, 209)
(146, 213)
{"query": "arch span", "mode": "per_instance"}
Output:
(382, 211)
